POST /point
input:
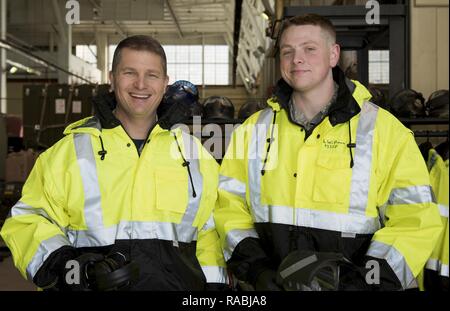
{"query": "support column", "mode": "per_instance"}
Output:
(64, 42)
(101, 39)
(363, 66)
(3, 103)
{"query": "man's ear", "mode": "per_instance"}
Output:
(335, 52)
(111, 80)
(166, 82)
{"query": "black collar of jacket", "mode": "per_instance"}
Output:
(342, 110)
(103, 106)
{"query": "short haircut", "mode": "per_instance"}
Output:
(140, 43)
(309, 19)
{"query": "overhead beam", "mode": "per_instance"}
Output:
(175, 19)
(119, 29)
(198, 3)
(61, 27)
(38, 60)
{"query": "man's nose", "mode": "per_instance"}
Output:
(140, 82)
(298, 58)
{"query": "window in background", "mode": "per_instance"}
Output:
(111, 50)
(184, 62)
(379, 67)
(87, 53)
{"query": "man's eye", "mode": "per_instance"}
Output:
(309, 49)
(286, 53)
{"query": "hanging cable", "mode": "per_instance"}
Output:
(102, 153)
(186, 164)
(350, 145)
(269, 141)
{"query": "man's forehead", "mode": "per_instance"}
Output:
(300, 34)
(132, 57)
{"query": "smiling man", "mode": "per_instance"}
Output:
(109, 206)
(325, 171)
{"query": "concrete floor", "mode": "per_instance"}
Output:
(11, 279)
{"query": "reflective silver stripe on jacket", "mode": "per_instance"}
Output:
(349, 223)
(44, 250)
(438, 266)
(127, 230)
(215, 274)
(209, 224)
(21, 208)
(234, 237)
(443, 210)
(395, 260)
(232, 185)
(411, 195)
(88, 172)
(256, 155)
(360, 183)
(407, 195)
(185, 229)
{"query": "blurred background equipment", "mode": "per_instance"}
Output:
(49, 108)
(378, 97)
(407, 103)
(437, 104)
(250, 108)
(181, 92)
(218, 107)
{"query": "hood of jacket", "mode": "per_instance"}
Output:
(351, 95)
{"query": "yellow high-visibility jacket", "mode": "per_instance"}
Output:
(93, 191)
(356, 185)
(435, 275)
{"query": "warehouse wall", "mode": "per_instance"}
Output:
(429, 45)
(14, 98)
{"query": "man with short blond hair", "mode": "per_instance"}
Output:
(329, 172)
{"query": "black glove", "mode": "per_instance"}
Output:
(105, 273)
(50, 274)
(81, 277)
(266, 281)
(353, 280)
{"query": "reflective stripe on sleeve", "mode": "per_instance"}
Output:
(395, 260)
(215, 274)
(44, 250)
(438, 266)
(232, 185)
(234, 237)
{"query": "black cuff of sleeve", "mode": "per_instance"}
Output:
(53, 266)
(248, 260)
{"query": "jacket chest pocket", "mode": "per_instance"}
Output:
(332, 178)
(171, 190)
